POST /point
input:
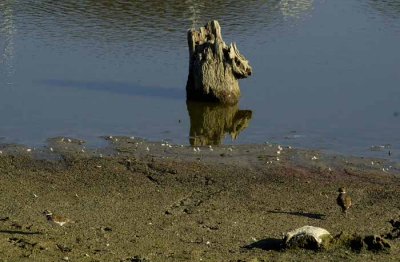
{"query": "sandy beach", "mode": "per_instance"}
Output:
(135, 200)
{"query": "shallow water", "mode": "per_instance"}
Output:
(326, 73)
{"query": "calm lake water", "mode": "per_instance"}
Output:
(326, 72)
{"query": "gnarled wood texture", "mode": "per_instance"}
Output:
(214, 67)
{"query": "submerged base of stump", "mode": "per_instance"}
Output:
(211, 122)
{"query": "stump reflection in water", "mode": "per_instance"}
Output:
(210, 122)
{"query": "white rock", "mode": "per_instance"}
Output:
(307, 237)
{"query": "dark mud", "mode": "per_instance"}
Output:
(142, 201)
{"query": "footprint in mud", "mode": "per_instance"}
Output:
(189, 204)
(135, 259)
(23, 243)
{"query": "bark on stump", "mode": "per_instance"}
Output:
(214, 67)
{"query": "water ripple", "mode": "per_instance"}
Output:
(156, 22)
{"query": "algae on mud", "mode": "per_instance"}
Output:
(170, 203)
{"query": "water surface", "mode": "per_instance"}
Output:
(326, 73)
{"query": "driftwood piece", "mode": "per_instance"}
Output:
(214, 67)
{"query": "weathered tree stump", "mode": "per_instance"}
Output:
(214, 67)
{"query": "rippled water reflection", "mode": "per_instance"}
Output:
(140, 23)
(325, 71)
(388, 8)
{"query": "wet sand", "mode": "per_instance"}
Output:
(144, 201)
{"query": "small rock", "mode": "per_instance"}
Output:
(307, 237)
(358, 242)
(106, 229)
(135, 259)
(376, 243)
(64, 248)
(395, 223)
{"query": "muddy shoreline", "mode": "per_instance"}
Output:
(136, 200)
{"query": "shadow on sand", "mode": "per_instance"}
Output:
(299, 213)
(267, 244)
(19, 232)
